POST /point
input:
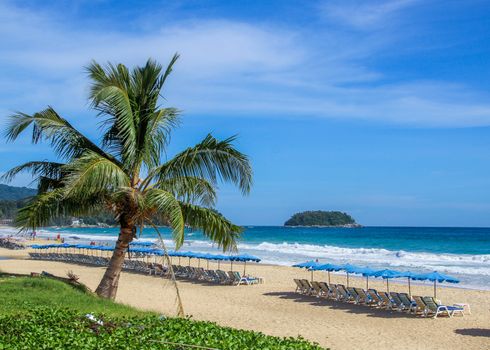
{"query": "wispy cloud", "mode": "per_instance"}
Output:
(232, 67)
(364, 14)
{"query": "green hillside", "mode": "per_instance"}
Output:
(12, 193)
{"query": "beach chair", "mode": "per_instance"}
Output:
(308, 289)
(344, 294)
(364, 297)
(407, 301)
(387, 302)
(223, 277)
(353, 294)
(327, 291)
(244, 279)
(299, 286)
(419, 306)
(433, 307)
(317, 291)
(397, 302)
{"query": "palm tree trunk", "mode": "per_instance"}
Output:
(108, 285)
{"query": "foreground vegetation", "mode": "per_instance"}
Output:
(41, 313)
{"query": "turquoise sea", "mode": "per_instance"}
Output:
(462, 252)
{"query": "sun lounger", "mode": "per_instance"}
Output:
(299, 286)
(344, 294)
(432, 307)
(308, 289)
(364, 298)
(397, 302)
(387, 302)
(407, 302)
(317, 291)
(353, 294)
(327, 291)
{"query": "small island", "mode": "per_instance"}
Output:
(322, 218)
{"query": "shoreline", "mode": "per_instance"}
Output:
(471, 269)
(273, 307)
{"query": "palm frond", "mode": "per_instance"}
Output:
(211, 159)
(91, 174)
(167, 207)
(213, 225)
(48, 125)
(190, 190)
(36, 169)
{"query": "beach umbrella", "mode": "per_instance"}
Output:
(246, 257)
(308, 265)
(359, 270)
(141, 244)
(327, 267)
(435, 277)
(387, 274)
(348, 268)
(410, 275)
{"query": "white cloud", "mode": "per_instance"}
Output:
(230, 67)
(364, 14)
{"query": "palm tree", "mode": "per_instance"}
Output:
(128, 173)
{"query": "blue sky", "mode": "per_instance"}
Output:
(377, 108)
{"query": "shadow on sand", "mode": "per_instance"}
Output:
(338, 305)
(474, 332)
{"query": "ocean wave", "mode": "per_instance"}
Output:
(457, 263)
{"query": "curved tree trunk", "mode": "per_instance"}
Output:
(108, 285)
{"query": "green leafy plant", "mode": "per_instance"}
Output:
(51, 328)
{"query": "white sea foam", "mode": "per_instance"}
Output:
(473, 270)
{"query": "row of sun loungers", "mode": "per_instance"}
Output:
(213, 276)
(139, 266)
(402, 302)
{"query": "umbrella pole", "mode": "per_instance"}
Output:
(409, 292)
(207, 264)
(347, 279)
(328, 277)
(311, 275)
(367, 282)
(198, 262)
(218, 264)
(244, 267)
(435, 290)
(231, 265)
(388, 285)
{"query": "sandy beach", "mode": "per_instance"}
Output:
(274, 308)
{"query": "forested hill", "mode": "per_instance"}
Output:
(12, 193)
(322, 218)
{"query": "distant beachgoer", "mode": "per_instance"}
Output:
(62, 240)
(58, 237)
(33, 235)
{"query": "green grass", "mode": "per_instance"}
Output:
(43, 313)
(21, 294)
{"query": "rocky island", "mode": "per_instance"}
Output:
(322, 218)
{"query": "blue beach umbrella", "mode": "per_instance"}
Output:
(327, 267)
(365, 271)
(435, 277)
(348, 268)
(308, 265)
(387, 274)
(141, 244)
(410, 275)
(244, 258)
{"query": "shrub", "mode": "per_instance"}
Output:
(54, 328)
